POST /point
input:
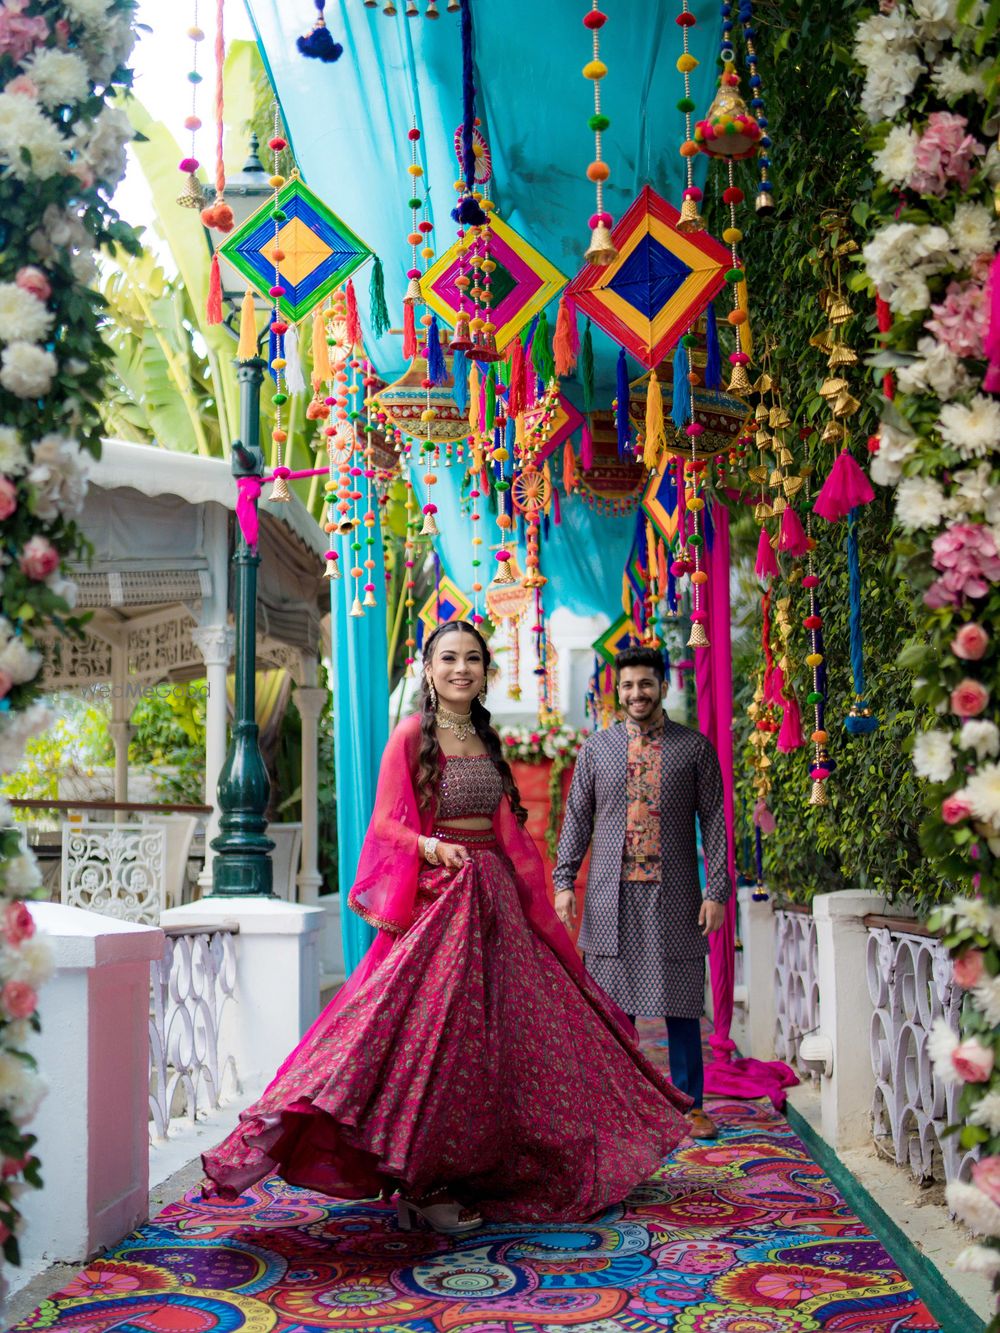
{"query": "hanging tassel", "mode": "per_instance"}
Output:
(792, 537)
(379, 311)
(845, 489)
(574, 330)
(713, 366)
(468, 212)
(562, 343)
(662, 575)
(569, 476)
(491, 396)
(655, 441)
(460, 378)
(586, 446)
(621, 409)
(991, 343)
(790, 736)
(318, 44)
(556, 509)
(883, 317)
(352, 320)
(587, 370)
(680, 413)
(322, 370)
(541, 351)
(409, 332)
(247, 348)
(516, 395)
(213, 306)
(295, 380)
(767, 566)
(860, 720)
(474, 399)
(437, 370)
(743, 303)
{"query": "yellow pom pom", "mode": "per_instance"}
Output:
(279, 363)
(415, 169)
(427, 252)
(696, 503)
(501, 455)
(732, 236)
(595, 69)
(276, 182)
(428, 414)
(814, 659)
(686, 63)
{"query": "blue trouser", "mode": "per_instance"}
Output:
(687, 1065)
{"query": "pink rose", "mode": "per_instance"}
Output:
(18, 999)
(18, 924)
(986, 1177)
(21, 86)
(968, 970)
(39, 558)
(8, 498)
(972, 1060)
(18, 33)
(970, 643)
(945, 152)
(954, 809)
(33, 280)
(13, 1166)
(969, 698)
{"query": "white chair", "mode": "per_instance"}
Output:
(180, 831)
(118, 870)
(287, 839)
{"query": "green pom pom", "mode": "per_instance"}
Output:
(279, 399)
(685, 104)
(354, 416)
(476, 564)
(735, 275)
(415, 203)
(355, 546)
(598, 123)
(696, 539)
(688, 340)
(278, 216)
(502, 486)
(814, 697)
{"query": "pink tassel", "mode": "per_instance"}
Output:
(792, 537)
(991, 382)
(409, 332)
(574, 332)
(530, 379)
(516, 392)
(774, 685)
(767, 562)
(352, 320)
(556, 509)
(586, 447)
(790, 736)
(213, 306)
(845, 489)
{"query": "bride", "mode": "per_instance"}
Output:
(470, 1065)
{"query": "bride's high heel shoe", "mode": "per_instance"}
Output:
(444, 1217)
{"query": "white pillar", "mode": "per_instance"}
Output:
(215, 643)
(93, 1050)
(309, 701)
(758, 973)
(277, 977)
(845, 1013)
(121, 732)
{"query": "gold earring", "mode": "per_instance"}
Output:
(432, 695)
(482, 696)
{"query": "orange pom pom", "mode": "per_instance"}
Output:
(689, 148)
(598, 171)
(737, 317)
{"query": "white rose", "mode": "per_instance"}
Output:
(933, 758)
(22, 316)
(60, 76)
(20, 875)
(27, 371)
(20, 663)
(980, 735)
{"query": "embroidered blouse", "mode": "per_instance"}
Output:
(641, 858)
(470, 786)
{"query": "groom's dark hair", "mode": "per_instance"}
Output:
(640, 657)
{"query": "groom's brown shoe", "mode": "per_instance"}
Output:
(702, 1126)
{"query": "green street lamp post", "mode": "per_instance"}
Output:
(242, 865)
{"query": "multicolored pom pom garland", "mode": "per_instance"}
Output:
(601, 250)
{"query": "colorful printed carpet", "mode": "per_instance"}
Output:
(741, 1235)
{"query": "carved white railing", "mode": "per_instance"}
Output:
(910, 984)
(190, 989)
(118, 870)
(796, 981)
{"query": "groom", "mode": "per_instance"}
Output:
(636, 790)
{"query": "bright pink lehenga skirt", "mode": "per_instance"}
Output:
(470, 1058)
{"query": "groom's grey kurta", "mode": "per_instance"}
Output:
(642, 942)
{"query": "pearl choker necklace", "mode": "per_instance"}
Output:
(460, 723)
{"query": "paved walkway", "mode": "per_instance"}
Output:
(741, 1235)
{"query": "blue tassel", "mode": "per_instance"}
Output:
(680, 412)
(666, 662)
(467, 211)
(273, 348)
(856, 725)
(621, 412)
(460, 374)
(437, 371)
(713, 366)
(545, 527)
(319, 44)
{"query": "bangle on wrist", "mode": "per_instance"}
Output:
(430, 851)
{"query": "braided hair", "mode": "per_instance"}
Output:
(428, 763)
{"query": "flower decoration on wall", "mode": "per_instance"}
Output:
(62, 152)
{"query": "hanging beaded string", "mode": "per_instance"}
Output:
(191, 195)
(369, 472)
(732, 196)
(764, 202)
(813, 623)
(415, 171)
(602, 248)
(475, 495)
(277, 144)
(218, 214)
(690, 219)
(694, 503)
(409, 561)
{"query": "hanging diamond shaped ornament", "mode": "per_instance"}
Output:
(523, 282)
(549, 422)
(318, 251)
(659, 502)
(621, 634)
(446, 602)
(662, 280)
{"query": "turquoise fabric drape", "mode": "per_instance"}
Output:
(360, 731)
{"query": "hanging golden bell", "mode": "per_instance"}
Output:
(414, 295)
(842, 356)
(831, 386)
(764, 203)
(369, 599)
(698, 638)
(739, 382)
(760, 412)
(431, 12)
(822, 340)
(840, 311)
(780, 420)
(832, 432)
(601, 250)
(534, 579)
(775, 478)
(757, 475)
(332, 570)
(764, 384)
(779, 506)
(430, 528)
(504, 573)
(191, 196)
(356, 607)
(785, 456)
(280, 494)
(818, 794)
(791, 486)
(690, 219)
(389, 9)
(346, 525)
(454, 6)
(845, 405)
(411, 11)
